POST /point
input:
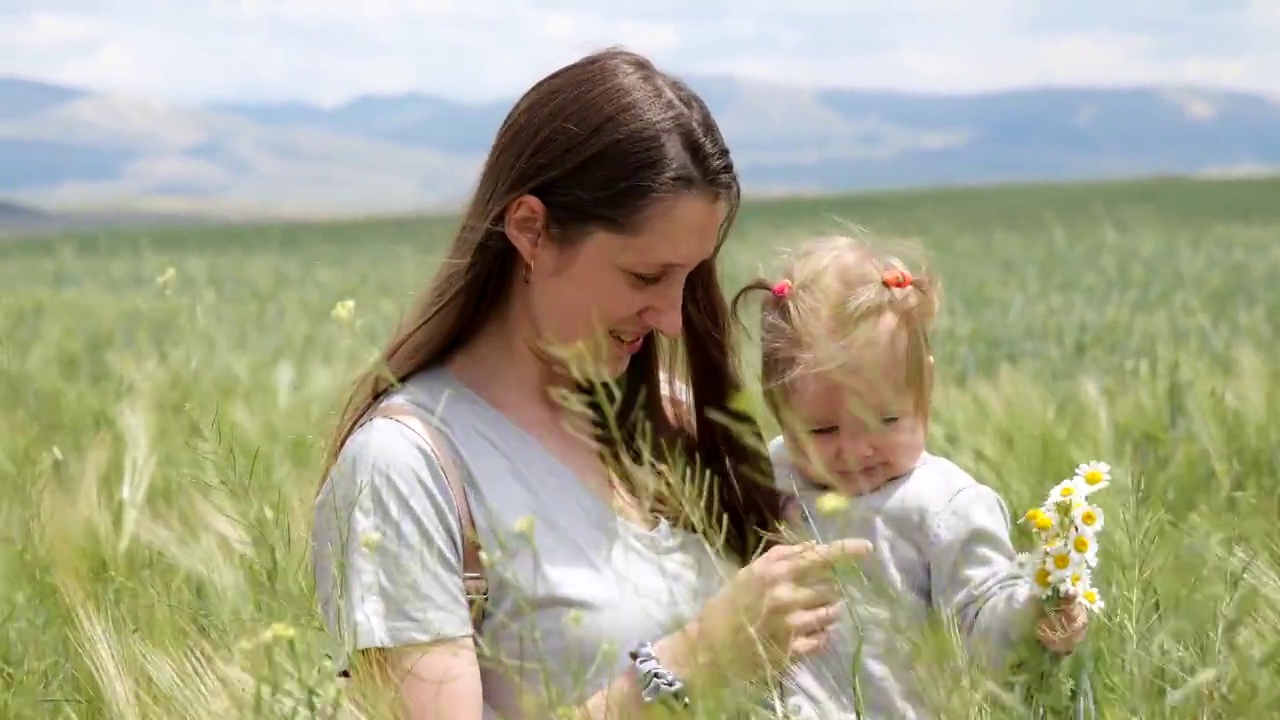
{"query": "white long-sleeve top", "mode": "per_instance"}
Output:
(941, 546)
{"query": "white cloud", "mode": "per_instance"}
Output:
(329, 50)
(51, 31)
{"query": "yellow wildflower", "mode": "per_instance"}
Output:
(166, 279)
(831, 503)
(343, 311)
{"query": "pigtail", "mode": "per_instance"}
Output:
(758, 285)
(917, 299)
(776, 336)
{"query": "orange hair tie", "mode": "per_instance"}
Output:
(896, 278)
(782, 289)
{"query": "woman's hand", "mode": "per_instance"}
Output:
(784, 603)
(1063, 627)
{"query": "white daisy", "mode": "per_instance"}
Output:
(1074, 582)
(1063, 563)
(1042, 519)
(1084, 545)
(1043, 581)
(1088, 518)
(1093, 476)
(1065, 492)
(1026, 564)
(1092, 599)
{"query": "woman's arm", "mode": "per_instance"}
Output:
(388, 563)
(431, 681)
(389, 576)
(781, 606)
(442, 681)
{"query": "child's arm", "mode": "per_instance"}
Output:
(973, 573)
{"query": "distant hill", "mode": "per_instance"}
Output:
(64, 146)
(23, 98)
(18, 220)
(16, 212)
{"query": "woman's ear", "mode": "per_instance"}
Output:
(525, 223)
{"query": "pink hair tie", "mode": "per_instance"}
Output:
(782, 289)
(896, 278)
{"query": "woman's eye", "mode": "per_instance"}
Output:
(890, 420)
(825, 430)
(646, 279)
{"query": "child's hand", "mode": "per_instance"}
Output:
(1063, 627)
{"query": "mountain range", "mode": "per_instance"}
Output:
(72, 148)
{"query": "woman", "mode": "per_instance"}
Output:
(593, 231)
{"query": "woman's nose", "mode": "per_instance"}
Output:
(667, 315)
(668, 322)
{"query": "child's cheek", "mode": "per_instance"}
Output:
(816, 463)
(908, 443)
(810, 462)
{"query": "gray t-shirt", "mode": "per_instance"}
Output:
(941, 546)
(572, 586)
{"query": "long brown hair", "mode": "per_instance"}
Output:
(599, 142)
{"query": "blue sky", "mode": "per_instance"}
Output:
(327, 51)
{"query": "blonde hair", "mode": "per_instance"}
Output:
(814, 317)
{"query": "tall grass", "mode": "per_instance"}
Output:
(160, 441)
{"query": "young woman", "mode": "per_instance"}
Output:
(587, 251)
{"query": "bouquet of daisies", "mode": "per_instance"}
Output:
(1061, 566)
(1066, 527)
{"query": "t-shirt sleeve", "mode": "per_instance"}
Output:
(973, 572)
(780, 461)
(386, 542)
(784, 481)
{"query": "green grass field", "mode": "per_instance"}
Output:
(160, 443)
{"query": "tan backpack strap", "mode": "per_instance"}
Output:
(473, 578)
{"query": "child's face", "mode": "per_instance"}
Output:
(851, 442)
(857, 429)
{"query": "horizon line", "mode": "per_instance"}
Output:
(904, 92)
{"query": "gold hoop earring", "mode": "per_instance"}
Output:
(527, 272)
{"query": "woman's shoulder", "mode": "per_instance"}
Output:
(437, 405)
(381, 449)
(384, 478)
(386, 449)
(430, 391)
(378, 436)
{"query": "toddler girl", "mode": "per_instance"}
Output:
(847, 372)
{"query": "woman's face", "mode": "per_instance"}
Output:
(600, 298)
